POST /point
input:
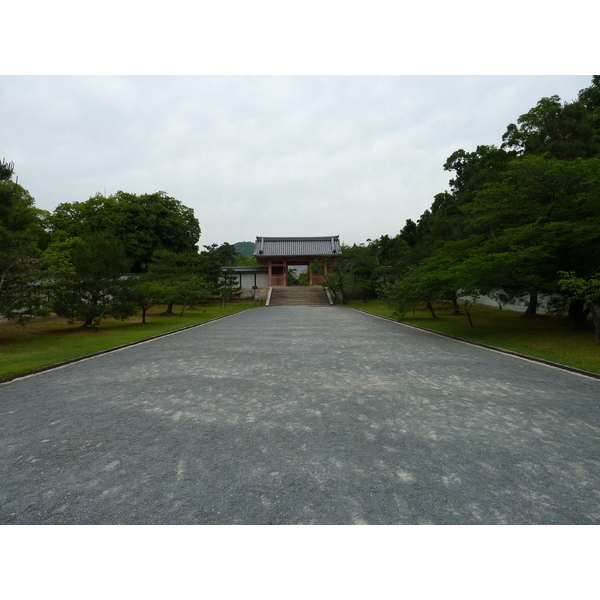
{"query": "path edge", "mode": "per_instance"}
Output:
(100, 352)
(486, 346)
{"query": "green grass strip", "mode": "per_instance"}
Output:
(52, 341)
(550, 338)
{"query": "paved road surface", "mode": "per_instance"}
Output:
(299, 415)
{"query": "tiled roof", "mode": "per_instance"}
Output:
(297, 246)
(246, 269)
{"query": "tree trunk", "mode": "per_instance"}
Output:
(469, 316)
(343, 294)
(455, 306)
(430, 307)
(170, 308)
(532, 306)
(596, 319)
(578, 313)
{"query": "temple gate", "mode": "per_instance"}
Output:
(280, 253)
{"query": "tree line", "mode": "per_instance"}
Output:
(107, 256)
(518, 220)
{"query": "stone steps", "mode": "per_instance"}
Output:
(299, 296)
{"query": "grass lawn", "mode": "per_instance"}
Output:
(547, 337)
(50, 341)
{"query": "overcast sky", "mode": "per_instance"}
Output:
(261, 155)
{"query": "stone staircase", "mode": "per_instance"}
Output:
(299, 295)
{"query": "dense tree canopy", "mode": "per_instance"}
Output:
(515, 216)
(512, 219)
(22, 238)
(144, 223)
(90, 286)
(73, 260)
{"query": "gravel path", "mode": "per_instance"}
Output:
(300, 415)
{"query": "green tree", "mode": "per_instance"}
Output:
(542, 217)
(227, 254)
(585, 289)
(292, 276)
(564, 130)
(365, 269)
(441, 277)
(229, 286)
(246, 261)
(210, 266)
(22, 237)
(90, 286)
(6, 170)
(338, 276)
(380, 262)
(166, 271)
(144, 223)
(191, 290)
(182, 277)
(144, 295)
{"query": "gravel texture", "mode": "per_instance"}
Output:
(301, 415)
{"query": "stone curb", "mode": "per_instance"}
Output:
(487, 346)
(100, 352)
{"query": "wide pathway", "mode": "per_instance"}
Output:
(298, 415)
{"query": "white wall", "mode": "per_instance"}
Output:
(262, 280)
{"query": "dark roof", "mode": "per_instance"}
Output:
(246, 269)
(297, 246)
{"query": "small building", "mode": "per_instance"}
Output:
(280, 253)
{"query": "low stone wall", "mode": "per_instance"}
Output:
(257, 295)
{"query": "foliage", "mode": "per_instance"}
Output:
(338, 275)
(513, 217)
(21, 292)
(226, 254)
(542, 217)
(229, 286)
(74, 260)
(22, 236)
(564, 131)
(144, 224)
(211, 264)
(246, 261)
(192, 290)
(440, 277)
(586, 289)
(6, 170)
(170, 274)
(292, 276)
(90, 285)
(144, 295)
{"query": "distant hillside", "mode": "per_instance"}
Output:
(244, 248)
